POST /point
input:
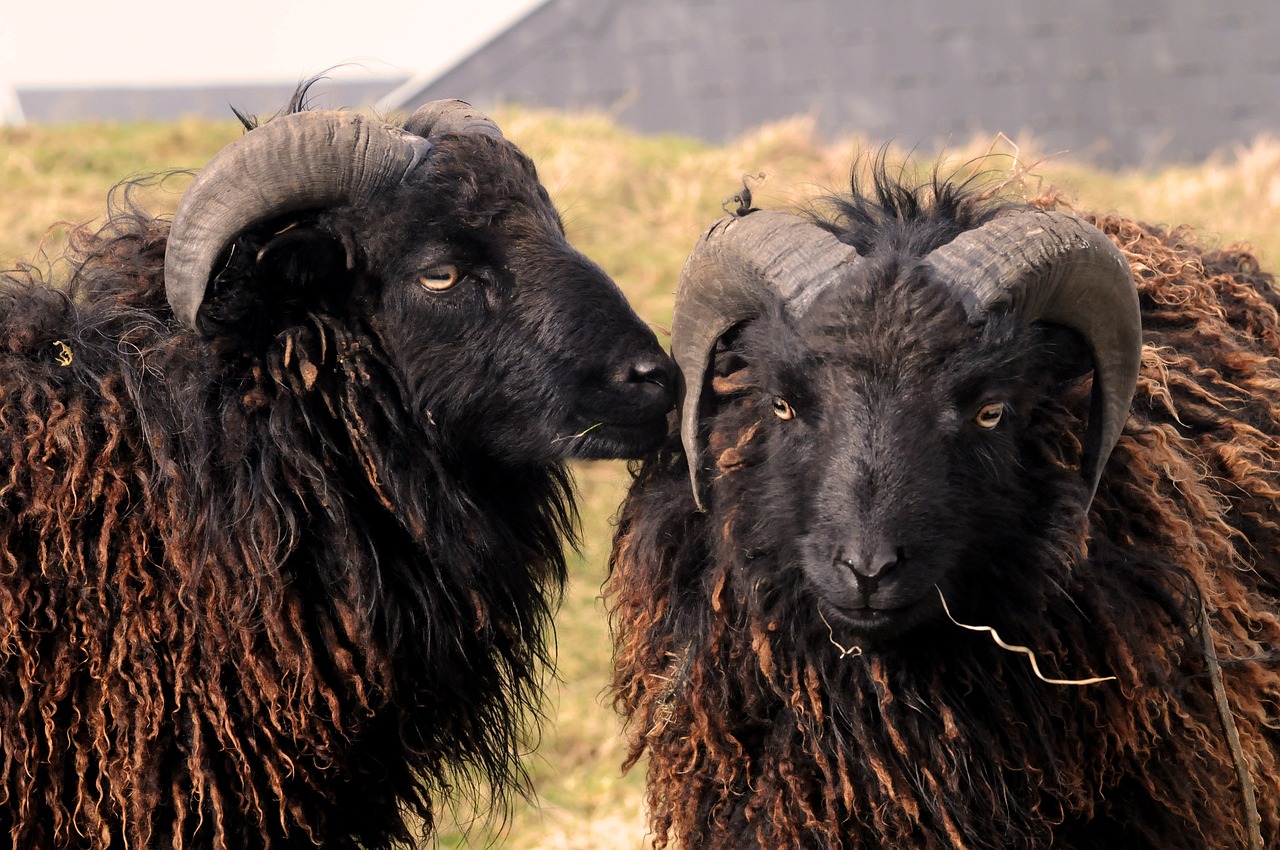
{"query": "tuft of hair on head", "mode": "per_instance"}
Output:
(896, 208)
(300, 101)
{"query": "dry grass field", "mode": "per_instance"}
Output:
(636, 205)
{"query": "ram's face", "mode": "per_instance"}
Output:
(875, 441)
(438, 237)
(504, 332)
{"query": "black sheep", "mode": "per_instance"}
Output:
(886, 430)
(283, 489)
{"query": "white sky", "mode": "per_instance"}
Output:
(98, 42)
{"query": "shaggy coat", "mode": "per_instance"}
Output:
(767, 724)
(287, 584)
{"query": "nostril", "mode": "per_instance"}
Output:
(869, 569)
(648, 381)
(652, 371)
(882, 561)
(869, 566)
(637, 389)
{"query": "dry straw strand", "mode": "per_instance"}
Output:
(853, 651)
(1035, 666)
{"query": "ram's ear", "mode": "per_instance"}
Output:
(726, 353)
(303, 258)
(1067, 354)
(272, 278)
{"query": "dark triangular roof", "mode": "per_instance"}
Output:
(1127, 82)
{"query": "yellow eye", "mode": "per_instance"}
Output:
(782, 409)
(439, 278)
(988, 415)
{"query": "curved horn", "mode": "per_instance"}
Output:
(450, 116)
(735, 269)
(1053, 267)
(295, 162)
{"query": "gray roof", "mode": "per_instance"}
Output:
(51, 105)
(1116, 81)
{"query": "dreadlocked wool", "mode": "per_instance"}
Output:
(284, 579)
(766, 727)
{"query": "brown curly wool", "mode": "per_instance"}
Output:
(243, 614)
(766, 727)
(282, 576)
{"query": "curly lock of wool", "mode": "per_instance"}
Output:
(865, 444)
(283, 490)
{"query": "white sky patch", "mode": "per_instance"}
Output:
(160, 42)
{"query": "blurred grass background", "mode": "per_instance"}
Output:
(635, 204)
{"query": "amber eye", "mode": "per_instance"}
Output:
(439, 278)
(988, 416)
(782, 409)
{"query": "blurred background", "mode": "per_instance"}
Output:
(1119, 82)
(643, 116)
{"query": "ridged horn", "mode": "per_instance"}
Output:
(1053, 267)
(450, 116)
(294, 162)
(736, 268)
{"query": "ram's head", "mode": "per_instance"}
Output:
(876, 422)
(437, 241)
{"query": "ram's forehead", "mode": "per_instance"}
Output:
(486, 166)
(901, 306)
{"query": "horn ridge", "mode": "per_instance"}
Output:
(450, 116)
(1050, 266)
(294, 162)
(736, 267)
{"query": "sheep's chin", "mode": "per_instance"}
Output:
(878, 625)
(614, 440)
